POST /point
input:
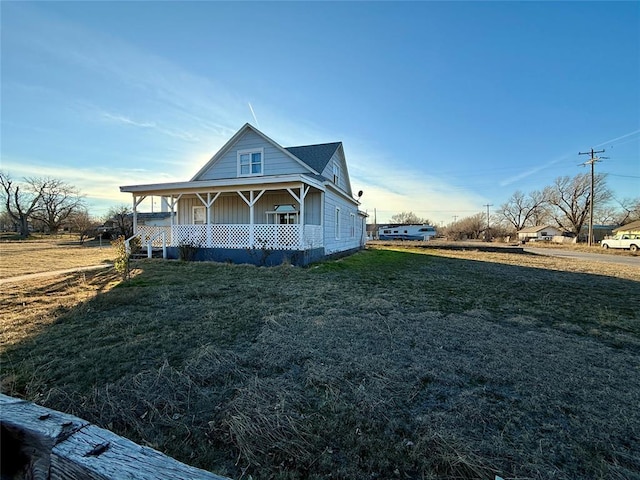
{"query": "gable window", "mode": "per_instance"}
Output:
(199, 215)
(337, 223)
(250, 162)
(336, 173)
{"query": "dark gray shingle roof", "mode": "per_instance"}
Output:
(316, 156)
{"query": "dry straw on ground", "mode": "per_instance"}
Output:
(20, 258)
(386, 364)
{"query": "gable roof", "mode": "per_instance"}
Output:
(315, 156)
(629, 226)
(537, 228)
(234, 139)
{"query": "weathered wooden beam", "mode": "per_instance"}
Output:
(51, 445)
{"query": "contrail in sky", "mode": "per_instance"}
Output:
(522, 175)
(254, 115)
(618, 138)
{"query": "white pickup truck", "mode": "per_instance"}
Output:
(626, 240)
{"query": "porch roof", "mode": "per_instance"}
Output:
(228, 184)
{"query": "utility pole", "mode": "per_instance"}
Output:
(455, 217)
(487, 237)
(591, 162)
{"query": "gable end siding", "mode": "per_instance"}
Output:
(274, 161)
(344, 184)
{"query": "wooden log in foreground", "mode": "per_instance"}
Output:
(44, 444)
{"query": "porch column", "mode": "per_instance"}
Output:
(136, 202)
(300, 200)
(208, 204)
(253, 199)
(172, 206)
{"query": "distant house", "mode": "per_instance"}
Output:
(598, 233)
(630, 228)
(255, 201)
(372, 231)
(539, 232)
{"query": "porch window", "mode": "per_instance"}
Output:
(199, 215)
(284, 214)
(250, 162)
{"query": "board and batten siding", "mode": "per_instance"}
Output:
(229, 208)
(345, 241)
(274, 162)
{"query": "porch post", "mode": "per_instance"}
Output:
(135, 216)
(136, 202)
(209, 219)
(251, 232)
(251, 202)
(303, 194)
(173, 224)
(322, 216)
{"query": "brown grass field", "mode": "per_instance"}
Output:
(24, 257)
(392, 363)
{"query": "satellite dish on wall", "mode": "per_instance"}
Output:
(360, 193)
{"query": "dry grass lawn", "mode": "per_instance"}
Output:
(24, 257)
(386, 364)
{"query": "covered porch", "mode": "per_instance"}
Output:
(260, 236)
(273, 215)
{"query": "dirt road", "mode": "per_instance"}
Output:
(591, 257)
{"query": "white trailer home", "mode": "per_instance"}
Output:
(406, 232)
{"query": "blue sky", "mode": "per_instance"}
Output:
(442, 107)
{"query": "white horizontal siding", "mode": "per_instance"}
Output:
(345, 241)
(274, 162)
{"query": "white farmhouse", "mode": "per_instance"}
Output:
(258, 202)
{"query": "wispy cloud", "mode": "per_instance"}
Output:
(127, 120)
(160, 97)
(182, 135)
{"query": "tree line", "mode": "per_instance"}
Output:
(566, 203)
(47, 205)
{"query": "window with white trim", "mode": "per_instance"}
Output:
(250, 162)
(337, 223)
(336, 173)
(352, 224)
(199, 215)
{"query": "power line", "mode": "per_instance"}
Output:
(592, 161)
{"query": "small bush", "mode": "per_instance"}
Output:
(187, 251)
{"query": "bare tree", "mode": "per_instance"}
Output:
(467, 228)
(58, 200)
(7, 223)
(606, 215)
(570, 199)
(121, 217)
(521, 210)
(629, 211)
(83, 224)
(20, 201)
(408, 218)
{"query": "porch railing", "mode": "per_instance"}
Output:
(270, 237)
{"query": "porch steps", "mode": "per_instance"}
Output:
(155, 253)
